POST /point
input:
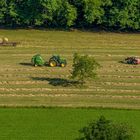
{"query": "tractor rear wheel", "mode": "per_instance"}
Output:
(53, 63)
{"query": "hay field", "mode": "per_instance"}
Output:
(117, 85)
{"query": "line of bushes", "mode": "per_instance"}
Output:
(109, 14)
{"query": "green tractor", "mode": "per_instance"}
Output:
(37, 60)
(56, 60)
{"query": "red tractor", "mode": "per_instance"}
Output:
(132, 60)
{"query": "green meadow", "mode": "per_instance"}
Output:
(57, 123)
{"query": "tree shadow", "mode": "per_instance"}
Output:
(26, 64)
(58, 81)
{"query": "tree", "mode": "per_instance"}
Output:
(49, 9)
(89, 12)
(103, 129)
(66, 15)
(58, 13)
(2, 11)
(84, 68)
(109, 14)
(29, 12)
(8, 13)
(123, 14)
(92, 11)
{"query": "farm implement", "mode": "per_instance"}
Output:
(37, 60)
(132, 60)
(5, 42)
(54, 61)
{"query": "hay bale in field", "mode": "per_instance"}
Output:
(5, 40)
(108, 55)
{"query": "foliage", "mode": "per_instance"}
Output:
(104, 129)
(91, 11)
(65, 15)
(112, 14)
(84, 67)
(123, 14)
(2, 11)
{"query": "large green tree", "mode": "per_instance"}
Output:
(58, 13)
(29, 12)
(8, 13)
(123, 14)
(103, 129)
(2, 11)
(89, 12)
(84, 68)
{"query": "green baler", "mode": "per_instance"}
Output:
(37, 60)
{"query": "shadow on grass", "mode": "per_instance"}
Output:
(29, 64)
(122, 62)
(58, 81)
(26, 64)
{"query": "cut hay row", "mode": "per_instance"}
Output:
(69, 89)
(70, 101)
(89, 84)
(72, 95)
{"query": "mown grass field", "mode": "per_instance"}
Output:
(117, 85)
(57, 123)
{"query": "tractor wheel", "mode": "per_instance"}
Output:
(63, 65)
(52, 63)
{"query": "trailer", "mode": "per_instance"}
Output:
(5, 42)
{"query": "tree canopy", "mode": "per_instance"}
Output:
(109, 14)
(103, 129)
(84, 67)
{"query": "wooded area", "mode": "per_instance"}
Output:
(108, 14)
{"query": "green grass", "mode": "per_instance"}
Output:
(57, 123)
(117, 85)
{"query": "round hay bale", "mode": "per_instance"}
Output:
(1, 40)
(5, 39)
(109, 55)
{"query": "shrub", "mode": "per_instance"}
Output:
(103, 129)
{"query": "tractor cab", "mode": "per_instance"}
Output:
(56, 60)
